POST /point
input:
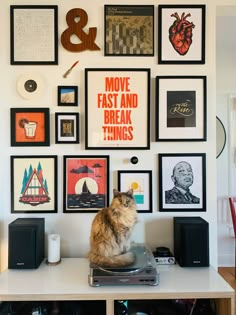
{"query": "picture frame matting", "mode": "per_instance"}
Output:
(67, 127)
(181, 108)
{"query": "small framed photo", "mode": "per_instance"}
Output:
(181, 108)
(67, 95)
(34, 184)
(129, 30)
(86, 183)
(141, 183)
(30, 127)
(181, 34)
(34, 34)
(116, 102)
(67, 127)
(182, 182)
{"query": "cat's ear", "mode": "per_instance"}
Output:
(115, 192)
(130, 192)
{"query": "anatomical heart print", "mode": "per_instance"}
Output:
(181, 34)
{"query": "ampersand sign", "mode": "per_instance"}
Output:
(74, 27)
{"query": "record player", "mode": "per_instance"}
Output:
(142, 272)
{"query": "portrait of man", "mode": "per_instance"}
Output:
(183, 178)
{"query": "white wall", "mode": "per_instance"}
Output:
(155, 229)
(226, 93)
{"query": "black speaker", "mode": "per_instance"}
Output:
(26, 243)
(191, 241)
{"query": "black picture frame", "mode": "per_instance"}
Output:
(172, 189)
(67, 95)
(26, 22)
(141, 183)
(85, 183)
(34, 184)
(129, 30)
(67, 128)
(181, 34)
(116, 102)
(181, 108)
(30, 127)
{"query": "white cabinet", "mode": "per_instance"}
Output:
(68, 281)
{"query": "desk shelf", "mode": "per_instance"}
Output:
(68, 281)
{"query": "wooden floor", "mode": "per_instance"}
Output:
(228, 274)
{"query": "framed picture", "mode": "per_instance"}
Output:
(129, 30)
(67, 95)
(117, 101)
(141, 183)
(34, 184)
(30, 127)
(67, 127)
(181, 108)
(182, 182)
(181, 34)
(86, 183)
(34, 34)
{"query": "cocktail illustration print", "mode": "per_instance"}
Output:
(30, 127)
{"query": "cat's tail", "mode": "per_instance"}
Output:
(121, 260)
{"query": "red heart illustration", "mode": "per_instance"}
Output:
(180, 33)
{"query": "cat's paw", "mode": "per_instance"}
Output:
(126, 248)
(129, 258)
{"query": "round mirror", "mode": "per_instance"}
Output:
(220, 137)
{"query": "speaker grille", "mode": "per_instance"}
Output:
(25, 243)
(191, 241)
(22, 247)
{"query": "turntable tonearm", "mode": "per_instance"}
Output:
(142, 272)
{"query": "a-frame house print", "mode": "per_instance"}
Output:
(35, 191)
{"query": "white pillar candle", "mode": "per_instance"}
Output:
(53, 248)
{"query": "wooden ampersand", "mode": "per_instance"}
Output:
(74, 27)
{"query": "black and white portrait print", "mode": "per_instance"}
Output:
(183, 178)
(182, 182)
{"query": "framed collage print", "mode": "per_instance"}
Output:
(86, 183)
(129, 30)
(116, 102)
(34, 184)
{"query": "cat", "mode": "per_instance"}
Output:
(111, 231)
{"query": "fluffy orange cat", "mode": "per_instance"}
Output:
(111, 231)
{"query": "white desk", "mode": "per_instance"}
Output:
(69, 281)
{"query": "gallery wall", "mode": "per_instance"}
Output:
(156, 228)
